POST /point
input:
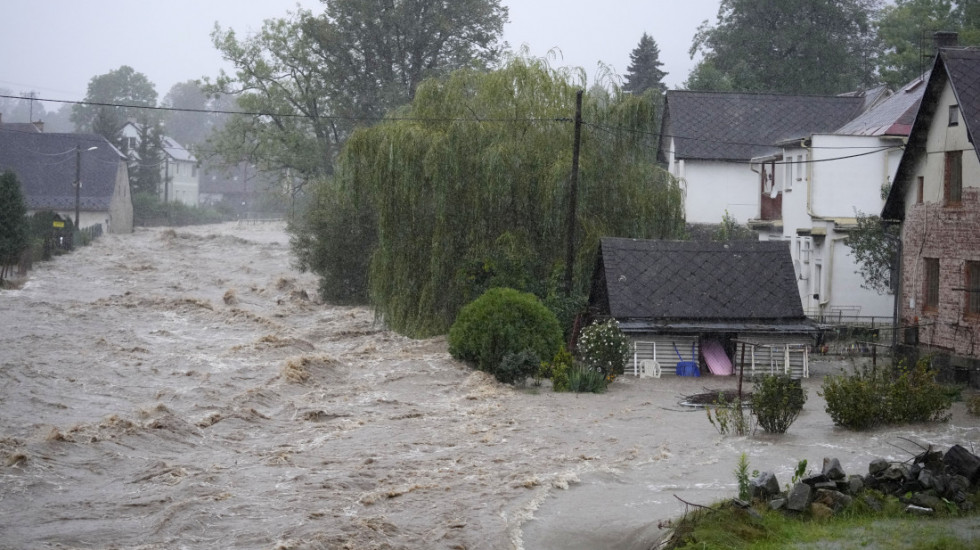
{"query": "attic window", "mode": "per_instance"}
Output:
(954, 115)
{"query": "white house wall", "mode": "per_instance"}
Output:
(827, 187)
(184, 183)
(714, 188)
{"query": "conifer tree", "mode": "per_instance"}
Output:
(644, 70)
(13, 222)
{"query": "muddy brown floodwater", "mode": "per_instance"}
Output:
(185, 389)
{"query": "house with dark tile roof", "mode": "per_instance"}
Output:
(936, 198)
(709, 140)
(675, 297)
(46, 166)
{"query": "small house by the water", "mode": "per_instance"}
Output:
(682, 302)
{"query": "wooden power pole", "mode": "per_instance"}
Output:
(573, 196)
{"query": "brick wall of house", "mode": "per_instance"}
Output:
(951, 234)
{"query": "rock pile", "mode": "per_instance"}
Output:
(934, 480)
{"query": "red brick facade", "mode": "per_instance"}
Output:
(951, 234)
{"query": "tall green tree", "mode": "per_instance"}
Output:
(874, 246)
(13, 222)
(790, 46)
(468, 188)
(146, 160)
(906, 32)
(112, 99)
(644, 72)
(319, 76)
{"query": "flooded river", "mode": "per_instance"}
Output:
(185, 389)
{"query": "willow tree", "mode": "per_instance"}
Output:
(468, 188)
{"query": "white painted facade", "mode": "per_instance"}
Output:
(712, 188)
(822, 192)
(178, 171)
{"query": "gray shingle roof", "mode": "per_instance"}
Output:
(678, 280)
(45, 168)
(742, 126)
(893, 116)
(960, 67)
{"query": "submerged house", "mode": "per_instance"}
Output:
(696, 301)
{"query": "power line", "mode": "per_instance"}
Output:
(605, 128)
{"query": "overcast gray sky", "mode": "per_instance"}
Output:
(54, 47)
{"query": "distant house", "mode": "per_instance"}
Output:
(847, 172)
(709, 140)
(675, 297)
(936, 197)
(47, 164)
(178, 171)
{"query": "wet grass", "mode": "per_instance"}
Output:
(728, 526)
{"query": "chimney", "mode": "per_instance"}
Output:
(945, 39)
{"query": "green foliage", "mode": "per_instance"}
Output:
(503, 321)
(791, 46)
(584, 379)
(874, 246)
(973, 405)
(603, 347)
(14, 226)
(906, 32)
(799, 473)
(333, 239)
(730, 230)
(729, 417)
(869, 398)
(644, 71)
(469, 186)
(559, 369)
(149, 209)
(120, 86)
(777, 401)
(320, 76)
(742, 477)
(515, 368)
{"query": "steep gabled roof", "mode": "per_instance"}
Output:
(685, 280)
(891, 117)
(45, 167)
(741, 126)
(960, 67)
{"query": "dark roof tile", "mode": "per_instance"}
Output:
(671, 280)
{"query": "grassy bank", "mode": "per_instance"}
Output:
(860, 526)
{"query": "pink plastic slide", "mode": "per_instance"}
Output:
(714, 355)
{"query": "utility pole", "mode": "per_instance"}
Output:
(573, 196)
(166, 178)
(78, 181)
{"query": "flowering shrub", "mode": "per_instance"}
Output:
(604, 347)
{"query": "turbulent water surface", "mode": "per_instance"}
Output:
(185, 389)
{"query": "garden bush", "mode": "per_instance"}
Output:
(729, 417)
(558, 370)
(870, 398)
(604, 347)
(585, 379)
(503, 321)
(777, 401)
(515, 368)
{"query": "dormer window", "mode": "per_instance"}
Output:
(954, 115)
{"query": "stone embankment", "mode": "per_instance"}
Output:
(933, 481)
